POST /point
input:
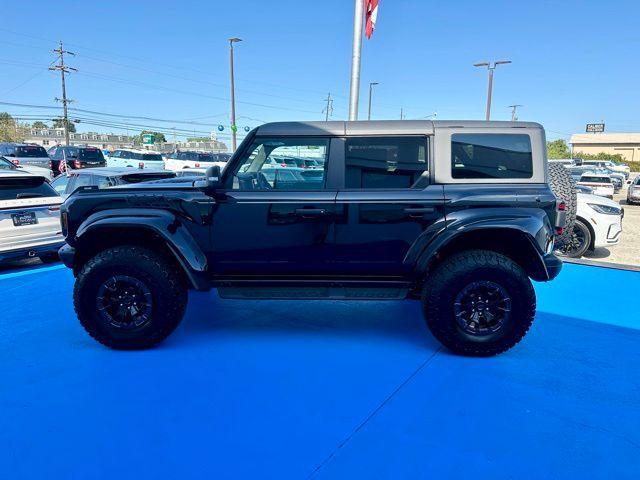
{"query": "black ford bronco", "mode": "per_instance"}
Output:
(459, 215)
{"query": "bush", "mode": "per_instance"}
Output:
(635, 166)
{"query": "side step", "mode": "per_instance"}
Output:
(314, 293)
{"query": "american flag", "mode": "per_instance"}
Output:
(371, 12)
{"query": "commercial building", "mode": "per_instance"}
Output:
(625, 144)
(48, 137)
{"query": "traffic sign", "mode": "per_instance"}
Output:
(148, 138)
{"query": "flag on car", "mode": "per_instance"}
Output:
(371, 15)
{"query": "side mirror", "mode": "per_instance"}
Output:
(213, 177)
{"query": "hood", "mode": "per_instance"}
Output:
(598, 200)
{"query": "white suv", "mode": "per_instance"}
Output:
(600, 183)
(598, 224)
(29, 217)
(179, 160)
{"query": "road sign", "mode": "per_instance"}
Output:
(148, 138)
(595, 127)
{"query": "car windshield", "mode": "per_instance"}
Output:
(25, 187)
(30, 151)
(149, 157)
(594, 179)
(6, 164)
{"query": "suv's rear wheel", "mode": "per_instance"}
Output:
(479, 303)
(129, 297)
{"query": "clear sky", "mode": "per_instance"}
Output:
(573, 61)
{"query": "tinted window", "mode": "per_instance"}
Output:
(6, 164)
(25, 187)
(386, 162)
(90, 154)
(258, 171)
(482, 155)
(593, 179)
(30, 151)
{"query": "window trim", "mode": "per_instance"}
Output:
(429, 163)
(442, 149)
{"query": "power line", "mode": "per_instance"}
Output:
(328, 110)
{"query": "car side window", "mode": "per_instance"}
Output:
(262, 167)
(386, 162)
(491, 155)
(60, 184)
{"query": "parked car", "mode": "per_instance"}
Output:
(5, 164)
(25, 154)
(584, 189)
(598, 224)
(601, 184)
(621, 168)
(190, 159)
(374, 227)
(29, 217)
(633, 192)
(142, 159)
(64, 185)
(73, 158)
(191, 172)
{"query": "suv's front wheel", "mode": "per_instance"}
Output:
(128, 297)
(479, 303)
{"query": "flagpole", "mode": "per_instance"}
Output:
(354, 93)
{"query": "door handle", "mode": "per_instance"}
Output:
(310, 212)
(419, 210)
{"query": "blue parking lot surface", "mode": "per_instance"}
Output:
(281, 389)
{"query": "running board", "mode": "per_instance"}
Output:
(314, 293)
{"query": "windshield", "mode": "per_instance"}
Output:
(149, 157)
(593, 179)
(30, 151)
(6, 164)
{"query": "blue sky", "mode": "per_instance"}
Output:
(573, 62)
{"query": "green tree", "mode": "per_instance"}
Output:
(158, 137)
(39, 125)
(558, 149)
(9, 129)
(59, 123)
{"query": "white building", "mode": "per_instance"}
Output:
(48, 137)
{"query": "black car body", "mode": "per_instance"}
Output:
(395, 202)
(75, 158)
(100, 178)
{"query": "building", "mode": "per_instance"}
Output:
(625, 144)
(48, 137)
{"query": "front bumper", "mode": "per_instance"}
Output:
(30, 252)
(552, 265)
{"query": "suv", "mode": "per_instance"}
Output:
(142, 159)
(457, 214)
(63, 158)
(188, 159)
(25, 154)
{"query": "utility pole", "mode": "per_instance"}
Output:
(490, 67)
(401, 114)
(62, 68)
(328, 110)
(371, 85)
(514, 112)
(354, 92)
(234, 129)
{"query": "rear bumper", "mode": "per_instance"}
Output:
(30, 252)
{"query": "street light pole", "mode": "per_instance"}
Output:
(233, 94)
(490, 67)
(371, 84)
(354, 91)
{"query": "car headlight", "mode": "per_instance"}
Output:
(606, 209)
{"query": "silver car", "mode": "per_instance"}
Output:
(25, 154)
(29, 217)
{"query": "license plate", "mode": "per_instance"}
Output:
(24, 218)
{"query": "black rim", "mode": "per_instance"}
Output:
(482, 308)
(575, 243)
(125, 302)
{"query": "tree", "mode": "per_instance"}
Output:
(39, 125)
(9, 131)
(59, 123)
(558, 149)
(158, 137)
(199, 139)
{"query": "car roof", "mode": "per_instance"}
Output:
(386, 127)
(114, 171)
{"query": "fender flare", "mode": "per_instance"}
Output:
(531, 224)
(162, 223)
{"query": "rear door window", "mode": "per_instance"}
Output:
(386, 163)
(491, 155)
(31, 151)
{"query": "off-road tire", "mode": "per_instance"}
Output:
(163, 279)
(462, 269)
(564, 188)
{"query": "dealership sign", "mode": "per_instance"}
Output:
(148, 138)
(595, 127)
